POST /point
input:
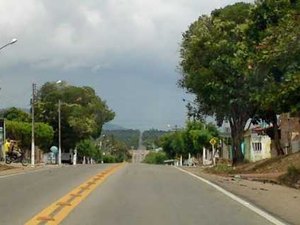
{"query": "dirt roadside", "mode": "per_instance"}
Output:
(281, 201)
(16, 168)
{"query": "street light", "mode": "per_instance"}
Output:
(14, 40)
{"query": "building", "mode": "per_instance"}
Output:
(290, 133)
(257, 145)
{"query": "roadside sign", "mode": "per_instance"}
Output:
(213, 141)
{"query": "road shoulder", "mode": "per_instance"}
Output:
(17, 169)
(280, 201)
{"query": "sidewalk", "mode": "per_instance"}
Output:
(280, 201)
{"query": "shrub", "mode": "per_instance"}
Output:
(155, 158)
(109, 159)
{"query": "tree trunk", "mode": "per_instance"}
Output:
(278, 147)
(237, 155)
(237, 135)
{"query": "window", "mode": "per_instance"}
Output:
(256, 146)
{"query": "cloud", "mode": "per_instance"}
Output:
(106, 44)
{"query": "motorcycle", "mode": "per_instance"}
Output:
(13, 157)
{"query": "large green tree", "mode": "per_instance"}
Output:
(83, 113)
(216, 67)
(21, 131)
(16, 114)
(242, 63)
(18, 127)
(275, 31)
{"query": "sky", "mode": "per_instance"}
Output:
(127, 50)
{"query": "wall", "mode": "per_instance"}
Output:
(290, 132)
(262, 143)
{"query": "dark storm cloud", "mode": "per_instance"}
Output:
(126, 50)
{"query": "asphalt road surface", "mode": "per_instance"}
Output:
(136, 194)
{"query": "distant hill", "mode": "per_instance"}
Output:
(129, 137)
(151, 138)
(111, 126)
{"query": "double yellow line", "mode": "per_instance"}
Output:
(60, 209)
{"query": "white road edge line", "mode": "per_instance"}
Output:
(250, 206)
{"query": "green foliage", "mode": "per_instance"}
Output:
(129, 137)
(88, 148)
(114, 147)
(276, 31)
(109, 159)
(22, 131)
(120, 151)
(215, 56)
(83, 113)
(243, 62)
(15, 114)
(155, 158)
(192, 139)
(151, 138)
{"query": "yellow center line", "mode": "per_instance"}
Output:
(56, 212)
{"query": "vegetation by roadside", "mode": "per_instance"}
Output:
(155, 158)
(129, 137)
(242, 64)
(151, 138)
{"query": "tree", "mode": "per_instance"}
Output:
(192, 139)
(15, 114)
(87, 148)
(199, 134)
(151, 138)
(18, 127)
(129, 137)
(215, 62)
(275, 31)
(22, 131)
(83, 113)
(155, 158)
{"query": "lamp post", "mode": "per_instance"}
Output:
(9, 43)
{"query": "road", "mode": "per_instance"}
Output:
(139, 155)
(135, 194)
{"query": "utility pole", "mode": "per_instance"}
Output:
(32, 124)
